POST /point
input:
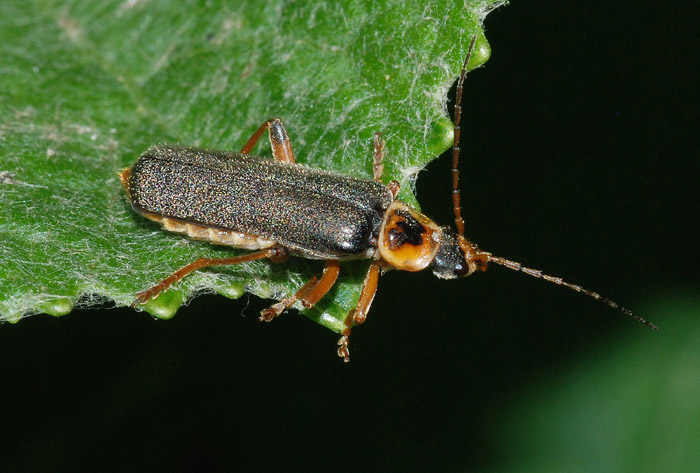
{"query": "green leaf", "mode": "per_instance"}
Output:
(85, 87)
(631, 405)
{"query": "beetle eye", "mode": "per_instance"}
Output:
(462, 269)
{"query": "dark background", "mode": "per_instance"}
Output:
(580, 159)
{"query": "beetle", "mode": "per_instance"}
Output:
(279, 208)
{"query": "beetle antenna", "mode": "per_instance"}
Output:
(459, 221)
(536, 273)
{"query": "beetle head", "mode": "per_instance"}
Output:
(457, 256)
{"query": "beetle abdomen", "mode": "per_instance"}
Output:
(313, 213)
(211, 234)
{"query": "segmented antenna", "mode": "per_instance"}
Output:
(459, 221)
(536, 273)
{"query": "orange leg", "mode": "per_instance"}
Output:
(309, 294)
(276, 254)
(358, 316)
(378, 166)
(281, 145)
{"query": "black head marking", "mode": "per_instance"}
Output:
(408, 230)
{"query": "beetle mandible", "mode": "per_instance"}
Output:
(280, 208)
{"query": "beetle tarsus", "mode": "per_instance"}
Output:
(275, 310)
(151, 293)
(140, 299)
(343, 350)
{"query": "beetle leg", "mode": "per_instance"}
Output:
(359, 314)
(281, 145)
(276, 254)
(378, 166)
(276, 309)
(309, 294)
(328, 278)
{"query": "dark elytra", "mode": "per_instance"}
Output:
(262, 197)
